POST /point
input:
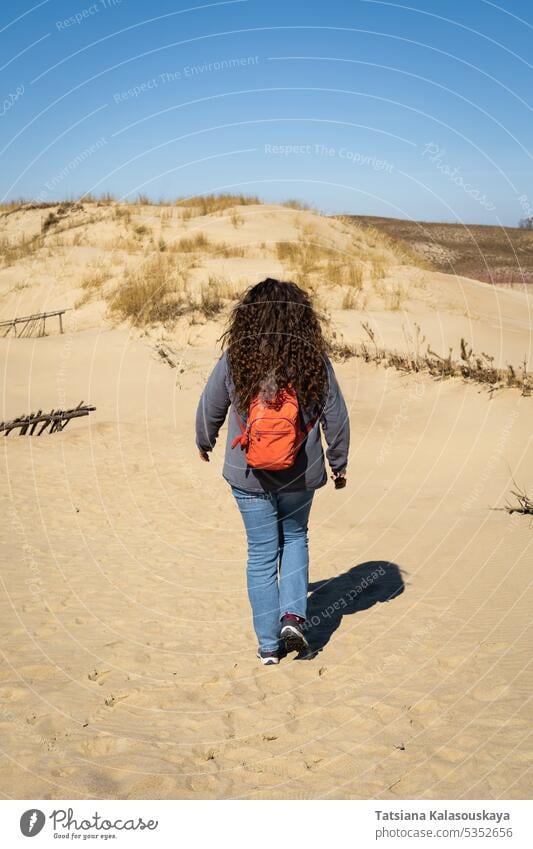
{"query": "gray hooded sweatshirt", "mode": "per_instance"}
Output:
(308, 471)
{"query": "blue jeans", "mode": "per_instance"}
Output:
(278, 557)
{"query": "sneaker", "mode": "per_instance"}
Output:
(269, 658)
(292, 633)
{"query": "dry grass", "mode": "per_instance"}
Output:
(293, 203)
(286, 252)
(157, 293)
(378, 269)
(353, 299)
(207, 204)
(92, 285)
(105, 199)
(215, 295)
(94, 280)
(201, 243)
(12, 206)
(211, 300)
(470, 367)
(395, 298)
(192, 244)
(19, 287)
(237, 220)
(154, 293)
(166, 215)
(522, 502)
(50, 220)
(339, 273)
(335, 273)
(306, 256)
(12, 252)
(354, 276)
(301, 255)
(128, 244)
(122, 213)
(228, 251)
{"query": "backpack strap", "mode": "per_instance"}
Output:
(242, 438)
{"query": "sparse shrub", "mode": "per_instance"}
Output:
(396, 298)
(309, 257)
(142, 230)
(211, 302)
(301, 255)
(106, 199)
(351, 300)
(12, 252)
(378, 269)
(227, 251)
(237, 220)
(292, 203)
(223, 287)
(155, 293)
(94, 281)
(49, 221)
(285, 251)
(354, 276)
(92, 285)
(20, 286)
(197, 242)
(335, 273)
(207, 204)
(124, 243)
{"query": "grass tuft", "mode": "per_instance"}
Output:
(155, 293)
(207, 204)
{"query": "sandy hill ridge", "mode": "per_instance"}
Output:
(194, 259)
(118, 543)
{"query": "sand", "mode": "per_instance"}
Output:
(128, 659)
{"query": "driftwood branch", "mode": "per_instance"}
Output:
(55, 419)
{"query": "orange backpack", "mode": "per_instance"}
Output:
(273, 434)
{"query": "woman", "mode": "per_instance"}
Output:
(280, 387)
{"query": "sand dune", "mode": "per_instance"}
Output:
(128, 665)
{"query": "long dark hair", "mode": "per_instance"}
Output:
(274, 339)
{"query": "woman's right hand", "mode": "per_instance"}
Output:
(339, 479)
(204, 455)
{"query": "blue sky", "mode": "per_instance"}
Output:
(417, 111)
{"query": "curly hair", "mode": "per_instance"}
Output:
(274, 339)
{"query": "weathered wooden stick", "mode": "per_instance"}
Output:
(56, 419)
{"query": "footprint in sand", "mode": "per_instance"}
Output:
(98, 675)
(113, 700)
(101, 745)
(83, 620)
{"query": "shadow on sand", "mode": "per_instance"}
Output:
(357, 589)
